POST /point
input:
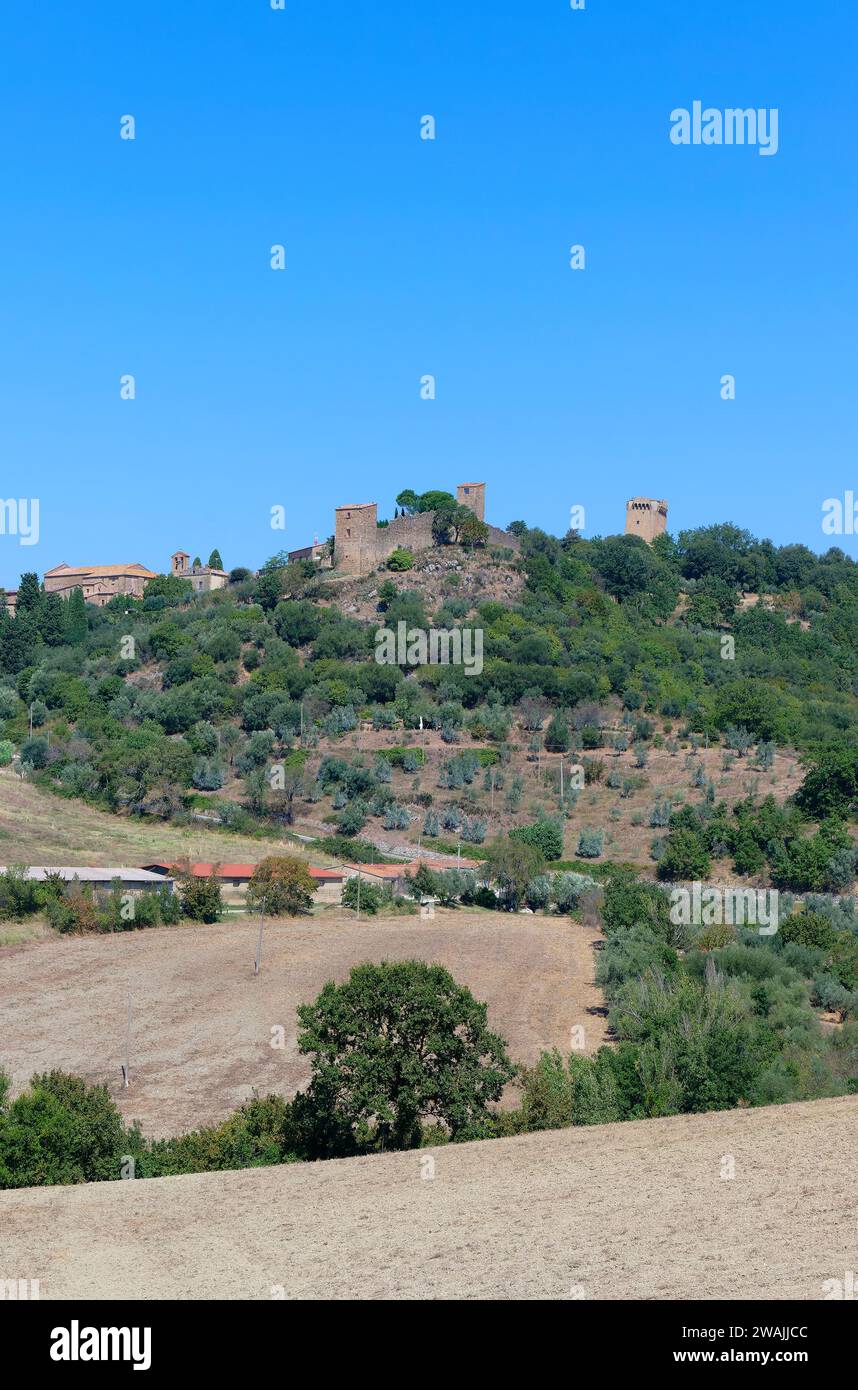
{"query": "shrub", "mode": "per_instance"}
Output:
(546, 835)
(35, 752)
(362, 896)
(60, 1131)
(557, 735)
(209, 774)
(200, 897)
(684, 856)
(591, 844)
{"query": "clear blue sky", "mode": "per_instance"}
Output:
(406, 257)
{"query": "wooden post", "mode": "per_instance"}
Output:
(257, 963)
(126, 1070)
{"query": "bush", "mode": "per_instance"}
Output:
(591, 844)
(200, 897)
(35, 752)
(400, 559)
(60, 1131)
(538, 892)
(557, 735)
(7, 751)
(684, 856)
(365, 897)
(209, 774)
(546, 835)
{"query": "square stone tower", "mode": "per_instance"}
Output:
(180, 562)
(473, 496)
(356, 537)
(646, 517)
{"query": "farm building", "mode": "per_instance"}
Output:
(234, 878)
(132, 880)
(395, 875)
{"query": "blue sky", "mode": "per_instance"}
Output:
(301, 388)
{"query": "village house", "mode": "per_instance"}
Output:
(204, 578)
(234, 878)
(131, 880)
(100, 583)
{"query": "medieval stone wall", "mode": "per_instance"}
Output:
(361, 545)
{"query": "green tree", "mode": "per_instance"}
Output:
(401, 1044)
(545, 834)
(684, 856)
(557, 734)
(511, 864)
(75, 619)
(29, 594)
(200, 897)
(60, 1131)
(215, 562)
(830, 786)
(281, 885)
(368, 897)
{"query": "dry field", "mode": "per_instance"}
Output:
(614, 1212)
(38, 828)
(202, 1024)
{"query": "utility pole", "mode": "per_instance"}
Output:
(126, 1069)
(493, 791)
(561, 779)
(257, 963)
(459, 855)
(358, 895)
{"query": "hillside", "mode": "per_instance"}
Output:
(645, 673)
(611, 1212)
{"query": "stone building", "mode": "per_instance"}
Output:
(473, 495)
(100, 583)
(203, 577)
(646, 517)
(361, 545)
(318, 552)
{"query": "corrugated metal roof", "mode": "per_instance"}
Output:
(87, 874)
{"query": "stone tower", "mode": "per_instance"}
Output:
(180, 562)
(356, 537)
(473, 496)
(646, 517)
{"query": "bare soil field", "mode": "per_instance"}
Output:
(624, 1211)
(201, 1032)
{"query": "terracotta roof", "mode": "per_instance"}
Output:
(242, 870)
(60, 571)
